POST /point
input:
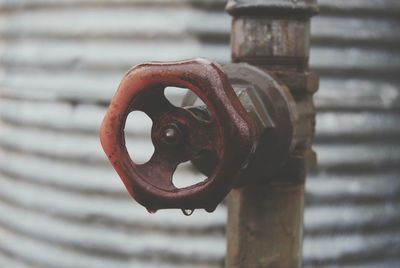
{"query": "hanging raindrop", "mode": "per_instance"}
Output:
(151, 210)
(187, 212)
(210, 209)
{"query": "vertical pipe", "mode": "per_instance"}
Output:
(265, 222)
(265, 226)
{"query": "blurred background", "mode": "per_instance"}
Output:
(61, 203)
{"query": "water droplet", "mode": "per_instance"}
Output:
(187, 212)
(151, 210)
(210, 209)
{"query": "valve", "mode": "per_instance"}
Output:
(244, 133)
(225, 135)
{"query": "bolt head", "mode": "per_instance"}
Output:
(171, 134)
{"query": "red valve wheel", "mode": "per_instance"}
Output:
(178, 134)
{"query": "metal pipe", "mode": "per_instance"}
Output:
(265, 222)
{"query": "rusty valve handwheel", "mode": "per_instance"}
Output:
(179, 134)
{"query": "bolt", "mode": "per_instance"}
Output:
(171, 134)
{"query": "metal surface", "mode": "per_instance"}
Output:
(229, 136)
(63, 206)
(265, 222)
(272, 7)
(273, 110)
(277, 241)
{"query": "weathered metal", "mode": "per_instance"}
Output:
(255, 131)
(272, 108)
(304, 8)
(179, 135)
(265, 221)
(275, 243)
(248, 122)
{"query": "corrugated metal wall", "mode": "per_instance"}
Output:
(61, 204)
